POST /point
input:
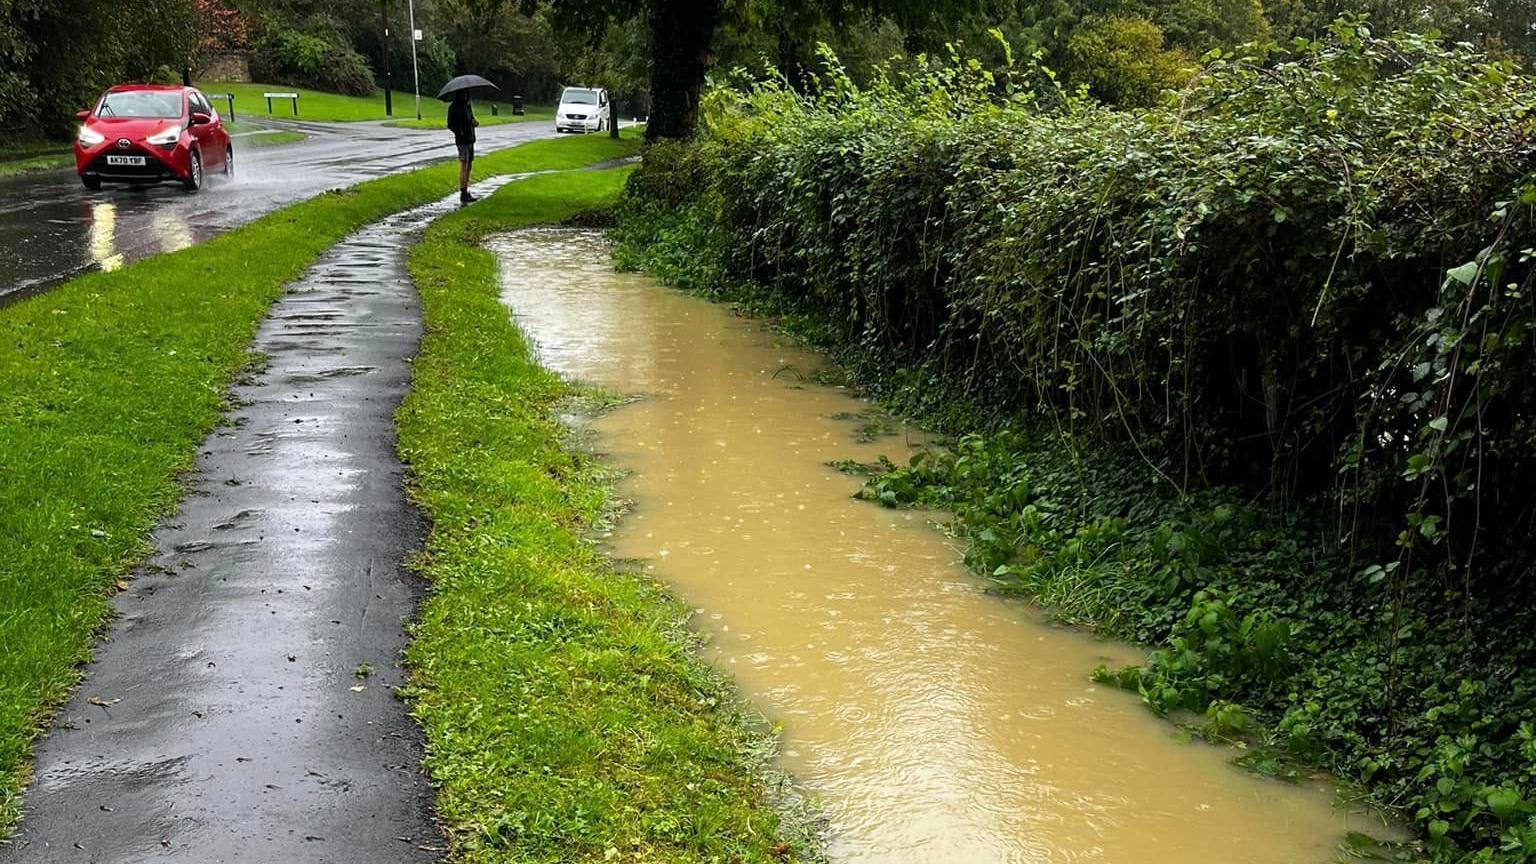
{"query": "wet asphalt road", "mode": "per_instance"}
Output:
(51, 228)
(223, 719)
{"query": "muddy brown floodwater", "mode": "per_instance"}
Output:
(930, 721)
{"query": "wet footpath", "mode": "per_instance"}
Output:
(242, 707)
(933, 723)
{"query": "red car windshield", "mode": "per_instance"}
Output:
(141, 103)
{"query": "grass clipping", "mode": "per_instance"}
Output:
(568, 717)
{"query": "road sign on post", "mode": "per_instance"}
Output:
(415, 70)
(292, 97)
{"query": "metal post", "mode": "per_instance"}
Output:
(415, 72)
(389, 110)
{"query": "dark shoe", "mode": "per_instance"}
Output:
(465, 197)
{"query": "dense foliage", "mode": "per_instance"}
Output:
(318, 57)
(57, 56)
(1302, 280)
(1124, 50)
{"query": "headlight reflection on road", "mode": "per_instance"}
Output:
(171, 230)
(103, 239)
(168, 232)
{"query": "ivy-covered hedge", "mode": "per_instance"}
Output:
(1303, 280)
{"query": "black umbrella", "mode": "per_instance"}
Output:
(473, 85)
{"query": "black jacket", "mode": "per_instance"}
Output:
(462, 122)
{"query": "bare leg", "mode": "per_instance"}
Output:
(463, 175)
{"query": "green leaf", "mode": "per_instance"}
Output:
(1466, 274)
(1504, 803)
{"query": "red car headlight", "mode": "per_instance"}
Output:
(166, 137)
(89, 137)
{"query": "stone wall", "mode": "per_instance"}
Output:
(225, 66)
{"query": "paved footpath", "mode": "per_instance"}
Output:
(225, 719)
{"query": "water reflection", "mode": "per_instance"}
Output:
(167, 228)
(934, 723)
(103, 241)
(171, 230)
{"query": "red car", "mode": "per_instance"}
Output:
(150, 133)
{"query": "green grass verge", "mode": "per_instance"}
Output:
(260, 137)
(111, 380)
(27, 157)
(542, 113)
(567, 717)
(334, 107)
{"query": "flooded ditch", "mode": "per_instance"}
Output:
(930, 721)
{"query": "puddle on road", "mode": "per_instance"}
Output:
(932, 722)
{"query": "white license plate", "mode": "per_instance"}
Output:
(125, 160)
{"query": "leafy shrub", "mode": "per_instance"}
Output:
(313, 58)
(1262, 625)
(1273, 338)
(1122, 60)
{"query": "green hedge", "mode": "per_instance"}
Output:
(1303, 279)
(1308, 274)
(316, 58)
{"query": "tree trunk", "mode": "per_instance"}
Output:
(613, 116)
(681, 32)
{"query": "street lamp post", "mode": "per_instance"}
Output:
(389, 109)
(415, 72)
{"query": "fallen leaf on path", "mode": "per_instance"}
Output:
(103, 703)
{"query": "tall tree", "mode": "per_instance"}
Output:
(56, 56)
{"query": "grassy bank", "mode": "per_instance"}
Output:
(111, 380)
(336, 108)
(566, 716)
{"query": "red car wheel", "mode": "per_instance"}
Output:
(194, 179)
